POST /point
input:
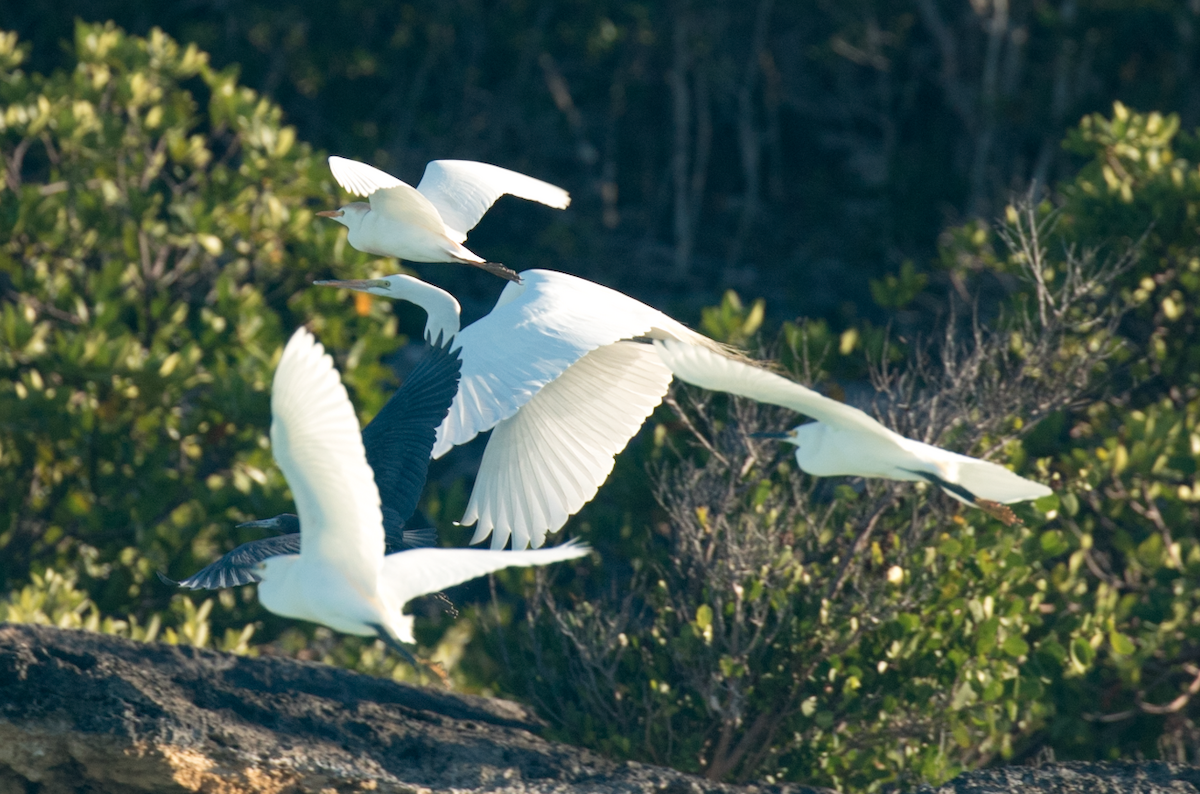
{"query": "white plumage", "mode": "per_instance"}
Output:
(845, 440)
(553, 370)
(341, 577)
(430, 222)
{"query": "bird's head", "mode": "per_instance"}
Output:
(383, 287)
(284, 523)
(350, 215)
(442, 307)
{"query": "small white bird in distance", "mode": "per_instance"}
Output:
(556, 374)
(429, 223)
(341, 577)
(845, 441)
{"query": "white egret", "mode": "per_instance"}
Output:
(341, 577)
(397, 443)
(845, 441)
(554, 372)
(429, 223)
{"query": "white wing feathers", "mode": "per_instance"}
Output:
(417, 572)
(702, 367)
(463, 190)
(538, 329)
(317, 443)
(546, 462)
(360, 179)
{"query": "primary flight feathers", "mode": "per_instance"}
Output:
(846, 441)
(552, 371)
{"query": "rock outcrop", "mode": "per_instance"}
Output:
(87, 712)
(1076, 777)
(84, 712)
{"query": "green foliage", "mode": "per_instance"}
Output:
(896, 292)
(732, 322)
(1136, 519)
(156, 241)
(157, 238)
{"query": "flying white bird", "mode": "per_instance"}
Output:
(429, 223)
(397, 443)
(554, 371)
(845, 441)
(341, 577)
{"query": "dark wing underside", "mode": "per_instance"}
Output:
(400, 438)
(237, 567)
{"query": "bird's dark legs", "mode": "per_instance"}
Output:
(390, 641)
(497, 269)
(1000, 512)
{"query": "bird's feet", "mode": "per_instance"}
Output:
(392, 642)
(497, 269)
(1002, 513)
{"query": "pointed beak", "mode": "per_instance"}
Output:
(262, 523)
(775, 436)
(330, 214)
(359, 284)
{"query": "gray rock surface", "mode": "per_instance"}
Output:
(83, 712)
(1077, 777)
(87, 712)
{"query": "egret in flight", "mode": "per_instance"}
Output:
(397, 442)
(845, 441)
(341, 577)
(556, 372)
(430, 222)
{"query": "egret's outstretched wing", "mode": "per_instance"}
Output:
(547, 461)
(538, 329)
(421, 571)
(463, 190)
(360, 179)
(398, 201)
(316, 442)
(237, 567)
(400, 437)
(981, 478)
(709, 370)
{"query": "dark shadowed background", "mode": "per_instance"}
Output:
(787, 149)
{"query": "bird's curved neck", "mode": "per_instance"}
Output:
(442, 308)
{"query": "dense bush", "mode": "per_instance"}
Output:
(741, 620)
(158, 233)
(854, 634)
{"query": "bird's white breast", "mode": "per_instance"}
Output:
(383, 236)
(309, 590)
(827, 451)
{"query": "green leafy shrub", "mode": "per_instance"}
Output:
(769, 625)
(1131, 587)
(157, 239)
